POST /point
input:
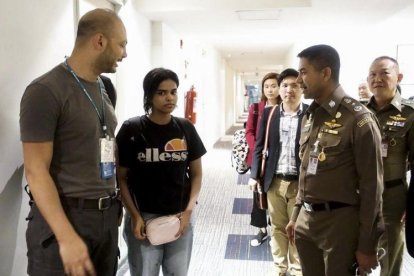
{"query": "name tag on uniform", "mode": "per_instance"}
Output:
(107, 150)
(384, 149)
(313, 162)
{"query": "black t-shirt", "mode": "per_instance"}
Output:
(157, 157)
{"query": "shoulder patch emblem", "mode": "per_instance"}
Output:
(364, 121)
(409, 103)
(347, 100)
(358, 108)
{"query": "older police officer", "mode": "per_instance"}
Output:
(395, 116)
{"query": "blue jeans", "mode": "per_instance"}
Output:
(146, 259)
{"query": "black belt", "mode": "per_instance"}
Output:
(102, 203)
(393, 183)
(327, 206)
(287, 177)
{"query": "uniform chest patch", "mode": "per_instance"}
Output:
(364, 121)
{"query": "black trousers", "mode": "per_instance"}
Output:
(99, 230)
(409, 216)
(258, 216)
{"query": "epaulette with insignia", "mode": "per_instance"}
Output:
(354, 106)
(409, 103)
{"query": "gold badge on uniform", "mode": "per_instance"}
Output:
(333, 124)
(321, 156)
(330, 131)
(398, 118)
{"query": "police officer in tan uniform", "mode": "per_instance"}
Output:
(395, 116)
(338, 208)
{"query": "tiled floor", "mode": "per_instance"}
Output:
(238, 248)
(222, 231)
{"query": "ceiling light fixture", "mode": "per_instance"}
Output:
(259, 14)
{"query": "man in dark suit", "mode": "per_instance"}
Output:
(282, 168)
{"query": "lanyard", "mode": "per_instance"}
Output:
(83, 88)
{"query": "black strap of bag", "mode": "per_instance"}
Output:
(261, 196)
(180, 123)
(266, 143)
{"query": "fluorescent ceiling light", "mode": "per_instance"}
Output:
(259, 14)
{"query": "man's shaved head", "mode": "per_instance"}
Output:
(96, 21)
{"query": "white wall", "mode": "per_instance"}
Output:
(212, 96)
(358, 47)
(240, 104)
(200, 65)
(134, 67)
(230, 93)
(36, 37)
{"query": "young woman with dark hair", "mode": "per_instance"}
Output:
(159, 174)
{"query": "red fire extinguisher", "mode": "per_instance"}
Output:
(190, 105)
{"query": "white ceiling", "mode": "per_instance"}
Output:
(257, 46)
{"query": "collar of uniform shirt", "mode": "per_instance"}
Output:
(395, 102)
(311, 109)
(332, 104)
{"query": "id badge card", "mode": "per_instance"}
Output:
(107, 164)
(384, 148)
(313, 162)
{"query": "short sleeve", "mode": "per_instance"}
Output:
(39, 114)
(196, 146)
(124, 140)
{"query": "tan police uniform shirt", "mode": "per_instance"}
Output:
(397, 128)
(344, 137)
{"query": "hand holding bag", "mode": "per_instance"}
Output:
(261, 198)
(162, 229)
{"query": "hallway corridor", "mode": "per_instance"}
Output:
(222, 229)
